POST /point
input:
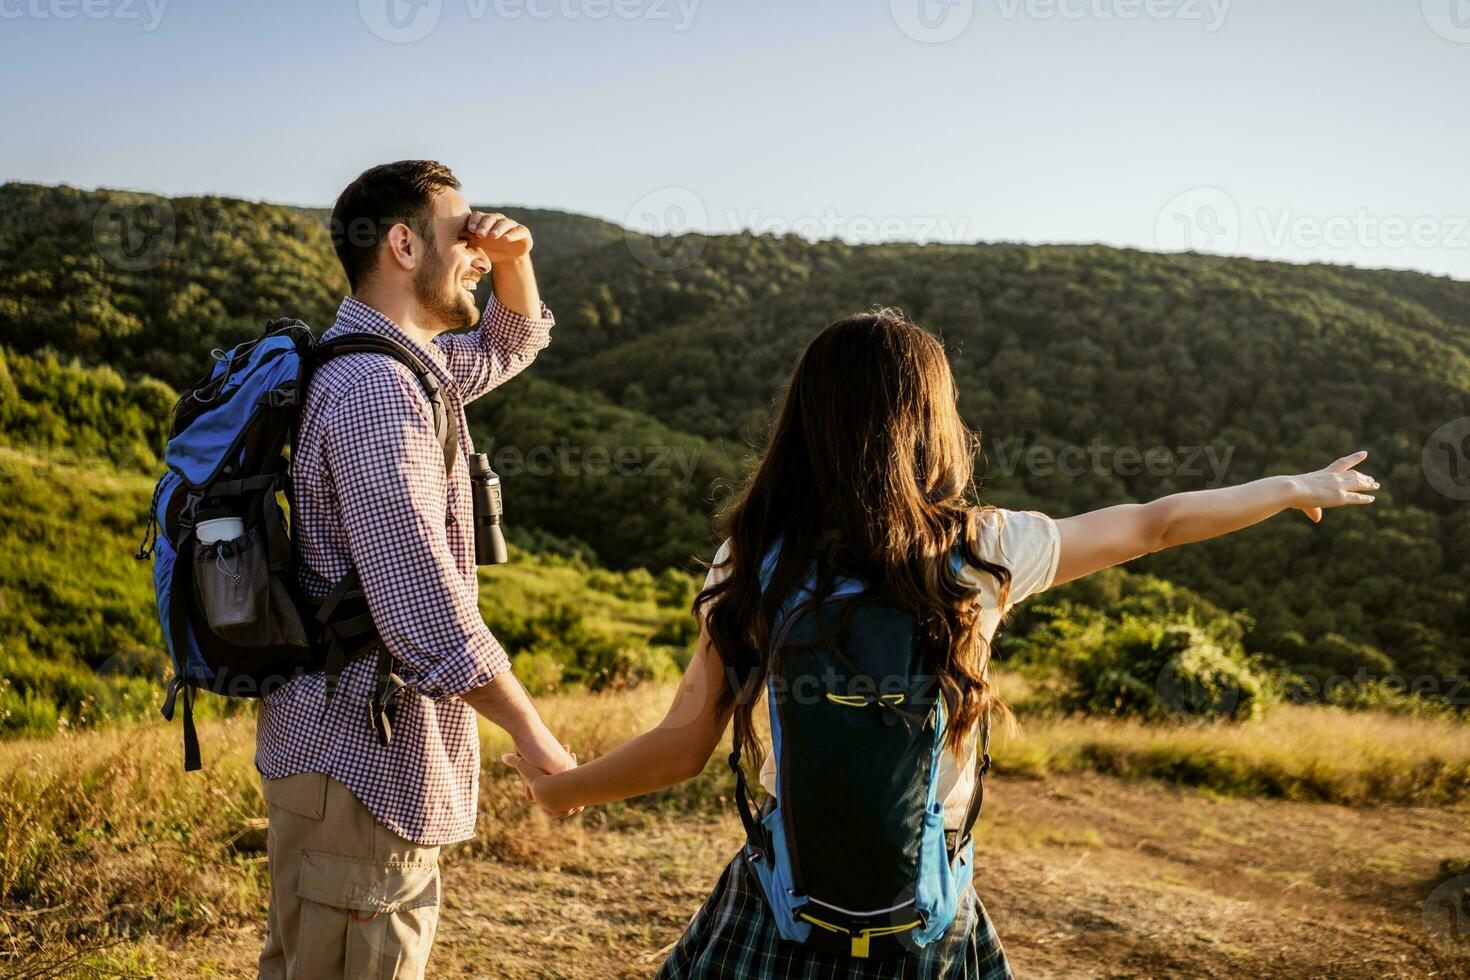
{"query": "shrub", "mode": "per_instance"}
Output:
(539, 670)
(1167, 670)
(1132, 645)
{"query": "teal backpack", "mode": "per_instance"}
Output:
(852, 854)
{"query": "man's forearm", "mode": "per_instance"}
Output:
(514, 281)
(504, 702)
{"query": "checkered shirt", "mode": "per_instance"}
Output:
(371, 492)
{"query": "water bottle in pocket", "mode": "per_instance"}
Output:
(243, 603)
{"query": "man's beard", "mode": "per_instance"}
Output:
(441, 296)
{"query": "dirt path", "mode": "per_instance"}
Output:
(1088, 877)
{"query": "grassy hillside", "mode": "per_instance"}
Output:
(1231, 369)
(80, 645)
(1271, 368)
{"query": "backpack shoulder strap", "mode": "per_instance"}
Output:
(977, 794)
(371, 343)
(358, 627)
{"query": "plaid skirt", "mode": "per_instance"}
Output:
(734, 935)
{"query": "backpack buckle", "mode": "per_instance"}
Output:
(190, 508)
(284, 397)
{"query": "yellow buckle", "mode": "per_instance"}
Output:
(861, 940)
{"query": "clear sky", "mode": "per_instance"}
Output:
(1333, 130)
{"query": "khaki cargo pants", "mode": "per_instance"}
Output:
(349, 897)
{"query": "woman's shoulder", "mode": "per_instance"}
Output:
(719, 565)
(1026, 542)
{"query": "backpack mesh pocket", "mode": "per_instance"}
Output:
(241, 601)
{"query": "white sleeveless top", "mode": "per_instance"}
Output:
(1026, 542)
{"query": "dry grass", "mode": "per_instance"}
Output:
(103, 837)
(1302, 753)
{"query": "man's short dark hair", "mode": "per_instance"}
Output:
(385, 195)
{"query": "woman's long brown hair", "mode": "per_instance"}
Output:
(869, 473)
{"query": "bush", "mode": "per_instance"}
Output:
(1163, 670)
(540, 671)
(1131, 645)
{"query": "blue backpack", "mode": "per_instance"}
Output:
(235, 619)
(852, 853)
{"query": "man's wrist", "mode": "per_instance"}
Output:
(511, 270)
(539, 747)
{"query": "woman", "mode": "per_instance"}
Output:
(869, 474)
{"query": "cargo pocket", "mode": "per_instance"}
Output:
(366, 918)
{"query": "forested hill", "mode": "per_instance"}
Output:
(1227, 369)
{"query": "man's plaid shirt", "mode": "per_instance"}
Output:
(371, 491)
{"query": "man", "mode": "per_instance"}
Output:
(356, 826)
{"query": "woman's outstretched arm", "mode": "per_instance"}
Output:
(1113, 535)
(676, 750)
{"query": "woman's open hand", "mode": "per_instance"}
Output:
(1338, 485)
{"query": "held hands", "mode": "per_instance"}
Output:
(535, 779)
(1337, 485)
(502, 239)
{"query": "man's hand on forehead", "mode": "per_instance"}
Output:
(499, 237)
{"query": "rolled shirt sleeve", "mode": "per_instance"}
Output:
(388, 470)
(1026, 542)
(500, 348)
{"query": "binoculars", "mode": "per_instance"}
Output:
(489, 508)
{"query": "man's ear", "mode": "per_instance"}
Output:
(403, 246)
